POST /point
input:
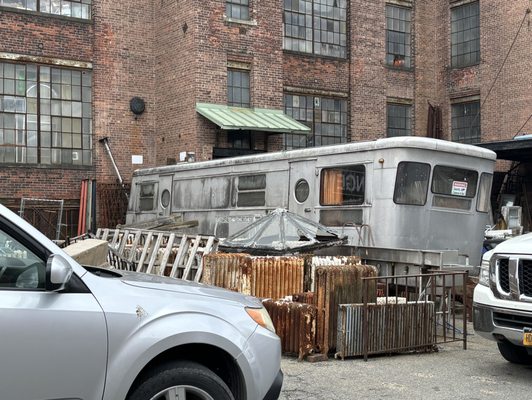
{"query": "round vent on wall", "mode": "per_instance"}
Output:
(137, 105)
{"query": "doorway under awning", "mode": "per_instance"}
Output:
(518, 149)
(253, 119)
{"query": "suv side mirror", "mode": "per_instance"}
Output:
(58, 272)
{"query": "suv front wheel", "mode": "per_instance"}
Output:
(514, 354)
(179, 381)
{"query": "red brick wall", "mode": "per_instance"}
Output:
(123, 68)
(510, 103)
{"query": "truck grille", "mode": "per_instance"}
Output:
(504, 275)
(511, 320)
(525, 277)
(513, 278)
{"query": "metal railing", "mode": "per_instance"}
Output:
(415, 313)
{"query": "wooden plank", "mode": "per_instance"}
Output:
(98, 233)
(183, 247)
(144, 251)
(115, 238)
(155, 253)
(105, 234)
(191, 257)
(134, 245)
(206, 250)
(167, 252)
(123, 243)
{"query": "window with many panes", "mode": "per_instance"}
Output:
(66, 8)
(465, 122)
(327, 118)
(316, 26)
(398, 36)
(465, 35)
(398, 119)
(237, 9)
(238, 88)
(45, 115)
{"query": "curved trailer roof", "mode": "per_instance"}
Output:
(387, 143)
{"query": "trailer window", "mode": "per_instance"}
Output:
(251, 191)
(342, 186)
(411, 183)
(456, 182)
(484, 191)
(147, 196)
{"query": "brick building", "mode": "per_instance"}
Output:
(346, 70)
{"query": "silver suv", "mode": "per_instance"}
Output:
(69, 332)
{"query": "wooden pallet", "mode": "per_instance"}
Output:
(157, 252)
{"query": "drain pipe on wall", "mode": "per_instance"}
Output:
(105, 142)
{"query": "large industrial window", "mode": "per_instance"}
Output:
(342, 185)
(398, 49)
(327, 118)
(66, 8)
(316, 26)
(45, 115)
(465, 35)
(237, 9)
(411, 183)
(398, 120)
(465, 122)
(238, 88)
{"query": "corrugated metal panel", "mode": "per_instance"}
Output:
(391, 328)
(313, 262)
(271, 277)
(335, 286)
(295, 324)
(265, 120)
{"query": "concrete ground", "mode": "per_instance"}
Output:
(452, 373)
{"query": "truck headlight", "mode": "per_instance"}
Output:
(484, 276)
(261, 317)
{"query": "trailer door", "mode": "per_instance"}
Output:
(165, 195)
(302, 188)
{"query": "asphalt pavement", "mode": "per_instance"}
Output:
(451, 373)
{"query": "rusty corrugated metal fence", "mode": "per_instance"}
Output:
(295, 323)
(390, 328)
(334, 286)
(266, 277)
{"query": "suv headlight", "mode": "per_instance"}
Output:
(484, 276)
(261, 317)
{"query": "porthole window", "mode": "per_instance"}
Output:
(165, 198)
(302, 190)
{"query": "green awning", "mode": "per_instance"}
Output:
(254, 119)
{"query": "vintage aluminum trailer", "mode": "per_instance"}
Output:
(404, 192)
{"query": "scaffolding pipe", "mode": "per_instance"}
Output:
(105, 142)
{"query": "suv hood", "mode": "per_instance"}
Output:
(156, 282)
(518, 244)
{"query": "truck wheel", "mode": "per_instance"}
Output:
(514, 354)
(183, 380)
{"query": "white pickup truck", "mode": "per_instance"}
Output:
(502, 301)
